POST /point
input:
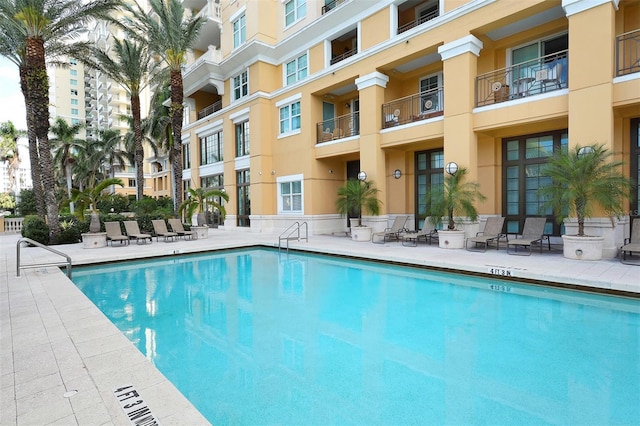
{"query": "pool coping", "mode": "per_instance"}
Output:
(54, 340)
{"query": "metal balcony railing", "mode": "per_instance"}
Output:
(343, 56)
(429, 16)
(421, 106)
(330, 6)
(337, 128)
(544, 74)
(217, 106)
(628, 53)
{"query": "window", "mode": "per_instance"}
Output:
(212, 216)
(74, 111)
(290, 117)
(290, 195)
(132, 183)
(186, 156)
(239, 31)
(524, 159)
(74, 121)
(73, 62)
(73, 72)
(429, 180)
(241, 85)
(73, 82)
(294, 10)
(429, 94)
(296, 70)
(74, 92)
(541, 55)
(242, 139)
(74, 102)
(243, 197)
(211, 149)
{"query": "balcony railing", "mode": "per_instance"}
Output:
(540, 75)
(421, 106)
(343, 56)
(330, 6)
(628, 53)
(429, 16)
(217, 106)
(338, 128)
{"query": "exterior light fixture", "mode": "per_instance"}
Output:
(362, 176)
(585, 150)
(451, 168)
(397, 173)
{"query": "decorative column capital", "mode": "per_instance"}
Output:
(373, 79)
(571, 7)
(465, 44)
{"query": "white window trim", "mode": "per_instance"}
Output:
(233, 19)
(240, 116)
(209, 129)
(284, 69)
(285, 179)
(295, 8)
(288, 102)
(233, 88)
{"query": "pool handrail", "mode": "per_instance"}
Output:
(38, 265)
(288, 234)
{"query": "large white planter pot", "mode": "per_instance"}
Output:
(582, 248)
(94, 240)
(361, 233)
(451, 239)
(201, 231)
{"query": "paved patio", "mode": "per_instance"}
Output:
(61, 359)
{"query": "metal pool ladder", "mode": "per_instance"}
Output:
(293, 233)
(66, 263)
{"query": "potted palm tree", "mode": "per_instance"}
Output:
(358, 196)
(456, 199)
(88, 199)
(196, 200)
(584, 178)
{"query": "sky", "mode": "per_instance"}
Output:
(11, 99)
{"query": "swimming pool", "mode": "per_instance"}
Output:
(257, 337)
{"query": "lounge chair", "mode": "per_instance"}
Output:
(160, 229)
(631, 244)
(176, 226)
(492, 232)
(428, 232)
(114, 233)
(532, 232)
(391, 233)
(133, 231)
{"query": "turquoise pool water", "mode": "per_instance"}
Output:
(257, 337)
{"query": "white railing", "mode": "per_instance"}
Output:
(13, 224)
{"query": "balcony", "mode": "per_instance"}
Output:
(338, 128)
(418, 107)
(344, 46)
(628, 53)
(424, 12)
(331, 5)
(217, 106)
(541, 75)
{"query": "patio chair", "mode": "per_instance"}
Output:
(176, 226)
(631, 244)
(492, 232)
(133, 231)
(160, 229)
(114, 233)
(532, 232)
(391, 233)
(428, 232)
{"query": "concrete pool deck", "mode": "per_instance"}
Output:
(54, 341)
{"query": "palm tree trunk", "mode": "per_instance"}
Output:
(38, 89)
(176, 111)
(34, 158)
(139, 150)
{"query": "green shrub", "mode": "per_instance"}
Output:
(26, 203)
(69, 230)
(116, 203)
(35, 228)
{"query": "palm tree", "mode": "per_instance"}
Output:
(171, 34)
(9, 136)
(355, 196)
(199, 197)
(584, 177)
(40, 21)
(128, 63)
(65, 144)
(90, 197)
(456, 198)
(108, 150)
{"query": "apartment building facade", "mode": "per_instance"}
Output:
(286, 100)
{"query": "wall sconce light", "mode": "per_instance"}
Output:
(330, 171)
(347, 105)
(362, 176)
(273, 172)
(451, 168)
(397, 173)
(585, 150)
